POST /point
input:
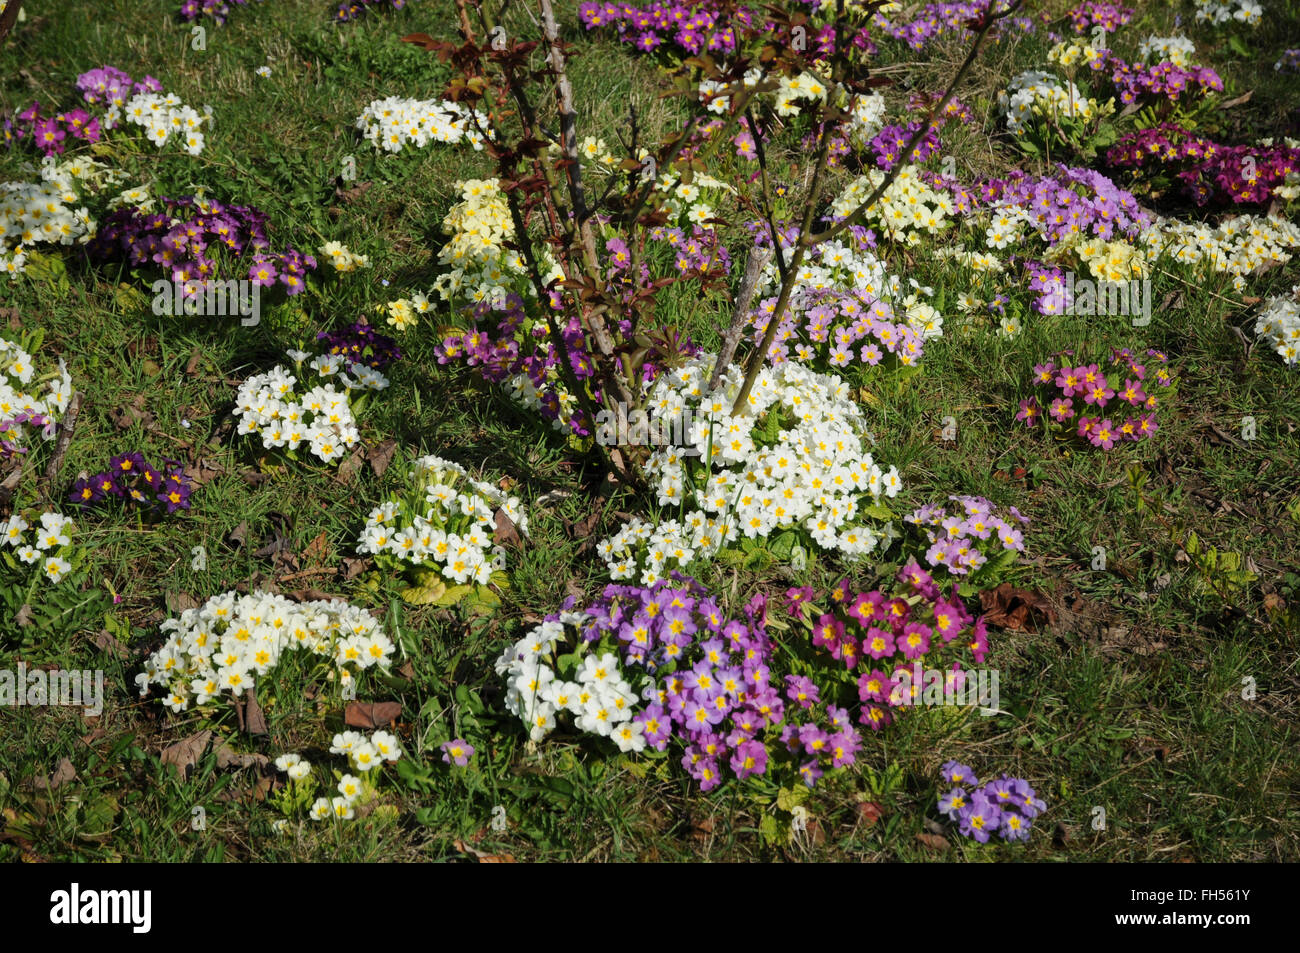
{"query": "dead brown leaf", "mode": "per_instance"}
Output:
(318, 550)
(63, 774)
(933, 841)
(353, 567)
(381, 456)
(178, 602)
(371, 714)
(228, 757)
(350, 466)
(106, 641)
(254, 718)
(1016, 609)
(186, 753)
(506, 533)
(870, 812)
(483, 857)
(134, 413)
(23, 616)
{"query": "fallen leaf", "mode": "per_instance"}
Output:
(23, 616)
(202, 472)
(381, 456)
(353, 567)
(186, 753)
(933, 841)
(228, 757)
(371, 714)
(64, 773)
(108, 642)
(254, 719)
(350, 466)
(192, 367)
(318, 550)
(870, 812)
(506, 533)
(483, 857)
(238, 536)
(351, 195)
(134, 413)
(1243, 98)
(1016, 609)
(178, 602)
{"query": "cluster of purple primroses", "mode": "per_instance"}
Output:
(844, 327)
(1136, 81)
(1210, 172)
(1098, 390)
(361, 344)
(184, 241)
(110, 87)
(688, 29)
(877, 638)
(710, 687)
(130, 478)
(1109, 16)
(50, 134)
(936, 19)
(962, 537)
(1006, 806)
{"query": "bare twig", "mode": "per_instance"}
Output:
(758, 259)
(65, 438)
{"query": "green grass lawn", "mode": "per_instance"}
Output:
(1131, 702)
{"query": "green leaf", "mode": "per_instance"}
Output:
(787, 799)
(424, 595)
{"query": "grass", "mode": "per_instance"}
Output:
(1132, 703)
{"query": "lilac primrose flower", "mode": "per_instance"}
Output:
(458, 751)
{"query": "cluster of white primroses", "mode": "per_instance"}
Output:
(321, 418)
(394, 123)
(906, 211)
(1279, 324)
(1218, 12)
(1168, 49)
(1035, 93)
(48, 545)
(364, 755)
(232, 640)
(795, 460)
(1236, 246)
(47, 212)
(343, 258)
(442, 520)
(599, 698)
(164, 119)
(480, 265)
(24, 406)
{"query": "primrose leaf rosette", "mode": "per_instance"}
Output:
(232, 641)
(796, 461)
